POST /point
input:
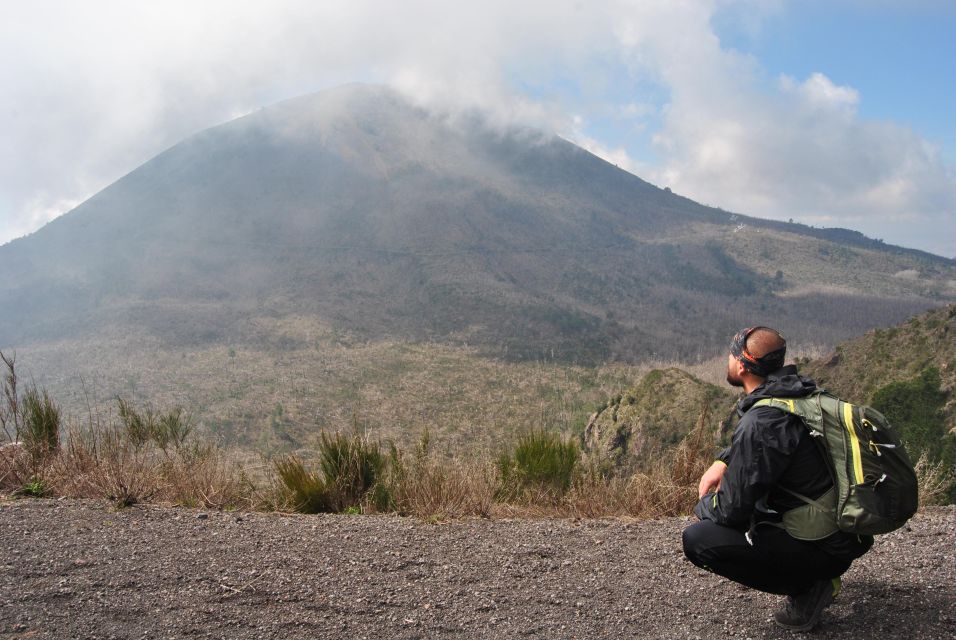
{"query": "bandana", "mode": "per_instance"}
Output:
(758, 366)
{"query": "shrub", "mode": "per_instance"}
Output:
(916, 408)
(300, 489)
(199, 475)
(667, 488)
(131, 461)
(166, 430)
(9, 403)
(139, 426)
(35, 489)
(542, 462)
(40, 423)
(171, 428)
(351, 465)
(350, 472)
(102, 462)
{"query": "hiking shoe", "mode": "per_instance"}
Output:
(802, 612)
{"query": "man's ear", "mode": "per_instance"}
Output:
(739, 367)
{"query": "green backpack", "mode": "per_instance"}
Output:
(874, 484)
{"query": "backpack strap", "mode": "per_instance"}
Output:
(816, 503)
(785, 404)
(816, 519)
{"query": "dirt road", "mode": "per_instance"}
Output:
(79, 569)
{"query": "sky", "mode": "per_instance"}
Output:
(834, 113)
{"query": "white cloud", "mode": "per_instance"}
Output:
(801, 151)
(819, 90)
(618, 156)
(91, 90)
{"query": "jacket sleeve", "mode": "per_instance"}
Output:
(723, 456)
(759, 454)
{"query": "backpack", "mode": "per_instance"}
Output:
(874, 485)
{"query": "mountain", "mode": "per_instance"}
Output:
(376, 217)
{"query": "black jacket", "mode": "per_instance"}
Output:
(771, 449)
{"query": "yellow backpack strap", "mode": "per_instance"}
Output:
(786, 404)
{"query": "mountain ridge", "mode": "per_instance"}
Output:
(382, 218)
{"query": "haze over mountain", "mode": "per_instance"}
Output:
(358, 209)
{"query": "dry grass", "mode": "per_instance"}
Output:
(101, 461)
(669, 488)
(432, 487)
(140, 455)
(16, 468)
(934, 479)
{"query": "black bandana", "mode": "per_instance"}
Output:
(758, 366)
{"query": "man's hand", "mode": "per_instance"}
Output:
(710, 481)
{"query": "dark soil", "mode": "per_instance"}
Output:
(79, 569)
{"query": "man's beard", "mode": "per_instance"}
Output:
(734, 381)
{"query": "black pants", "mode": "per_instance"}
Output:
(775, 563)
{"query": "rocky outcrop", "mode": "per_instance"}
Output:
(654, 415)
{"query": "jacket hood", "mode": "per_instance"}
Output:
(782, 383)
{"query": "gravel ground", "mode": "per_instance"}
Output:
(79, 569)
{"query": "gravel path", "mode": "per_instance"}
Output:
(79, 569)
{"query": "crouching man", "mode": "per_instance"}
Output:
(745, 493)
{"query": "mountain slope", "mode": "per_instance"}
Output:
(909, 369)
(358, 208)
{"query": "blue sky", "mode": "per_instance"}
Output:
(899, 56)
(831, 113)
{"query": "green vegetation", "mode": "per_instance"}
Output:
(915, 408)
(651, 417)
(908, 372)
(541, 462)
(303, 490)
(165, 430)
(40, 422)
(498, 437)
(34, 489)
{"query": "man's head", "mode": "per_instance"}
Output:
(754, 353)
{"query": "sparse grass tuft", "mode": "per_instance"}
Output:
(40, 424)
(351, 465)
(300, 489)
(541, 464)
(102, 461)
(350, 474)
(200, 475)
(434, 488)
(35, 489)
(935, 479)
(166, 430)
